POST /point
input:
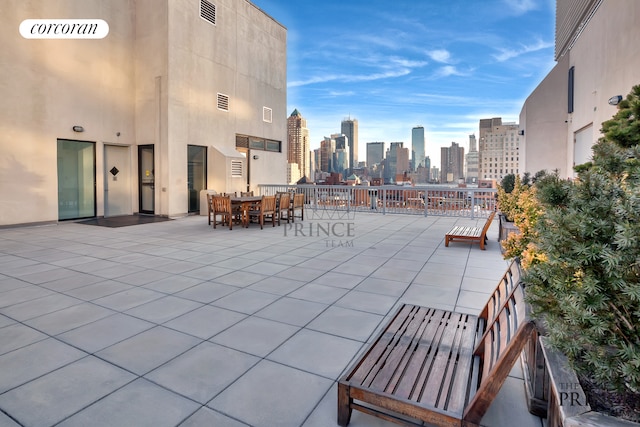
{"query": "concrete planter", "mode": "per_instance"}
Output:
(568, 405)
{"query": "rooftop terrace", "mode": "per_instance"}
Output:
(174, 323)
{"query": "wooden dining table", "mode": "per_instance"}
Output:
(245, 203)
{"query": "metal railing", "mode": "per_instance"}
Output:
(390, 199)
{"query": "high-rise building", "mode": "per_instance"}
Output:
(327, 148)
(375, 153)
(298, 147)
(349, 127)
(451, 163)
(417, 146)
(471, 173)
(499, 153)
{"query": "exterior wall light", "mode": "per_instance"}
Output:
(78, 129)
(615, 100)
(256, 157)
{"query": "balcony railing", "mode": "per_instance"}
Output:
(434, 200)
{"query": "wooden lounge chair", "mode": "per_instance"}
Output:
(439, 367)
(470, 234)
(221, 206)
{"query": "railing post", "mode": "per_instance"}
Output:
(473, 203)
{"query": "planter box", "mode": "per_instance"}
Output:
(568, 405)
(505, 228)
(536, 378)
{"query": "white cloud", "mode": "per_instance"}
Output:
(507, 53)
(346, 78)
(440, 55)
(521, 6)
(449, 70)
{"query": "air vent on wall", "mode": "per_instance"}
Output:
(236, 168)
(208, 11)
(267, 114)
(223, 102)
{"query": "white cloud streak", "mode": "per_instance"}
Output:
(506, 53)
(520, 7)
(440, 55)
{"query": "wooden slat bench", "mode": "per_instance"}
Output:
(470, 234)
(440, 367)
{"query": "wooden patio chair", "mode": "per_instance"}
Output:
(470, 234)
(284, 204)
(221, 206)
(265, 209)
(297, 205)
(246, 194)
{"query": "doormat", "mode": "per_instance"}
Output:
(124, 221)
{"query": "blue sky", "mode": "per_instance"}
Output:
(397, 64)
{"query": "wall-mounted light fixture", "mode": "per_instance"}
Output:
(615, 100)
(255, 157)
(521, 132)
(78, 128)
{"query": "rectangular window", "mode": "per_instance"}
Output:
(267, 114)
(570, 90)
(208, 11)
(223, 102)
(273, 146)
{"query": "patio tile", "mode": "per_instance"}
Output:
(128, 299)
(267, 267)
(148, 350)
(366, 301)
(236, 263)
(478, 284)
(255, 336)
(208, 417)
(469, 299)
(508, 408)
(301, 273)
(356, 325)
(276, 285)
(317, 353)
(104, 332)
(178, 267)
(75, 260)
(11, 283)
(288, 259)
(39, 306)
(23, 365)
(392, 273)
(382, 286)
(319, 293)
(292, 311)
(17, 335)
(140, 403)
(207, 292)
(208, 272)
(69, 318)
(431, 296)
(98, 290)
(48, 275)
(173, 283)
(121, 270)
(245, 301)
(205, 321)
(339, 280)
(72, 282)
(240, 278)
(277, 395)
(443, 279)
(6, 321)
(142, 277)
(26, 293)
(203, 372)
(5, 421)
(53, 397)
(163, 309)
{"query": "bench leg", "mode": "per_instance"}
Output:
(446, 241)
(344, 405)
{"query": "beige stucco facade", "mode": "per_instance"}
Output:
(154, 80)
(605, 56)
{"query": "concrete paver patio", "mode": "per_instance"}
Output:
(174, 323)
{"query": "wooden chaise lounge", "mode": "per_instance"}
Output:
(437, 366)
(470, 234)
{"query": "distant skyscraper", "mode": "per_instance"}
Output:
(499, 153)
(472, 161)
(298, 146)
(349, 128)
(396, 156)
(327, 148)
(417, 146)
(375, 153)
(451, 163)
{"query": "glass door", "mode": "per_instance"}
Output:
(196, 175)
(76, 179)
(146, 179)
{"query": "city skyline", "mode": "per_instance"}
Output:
(440, 65)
